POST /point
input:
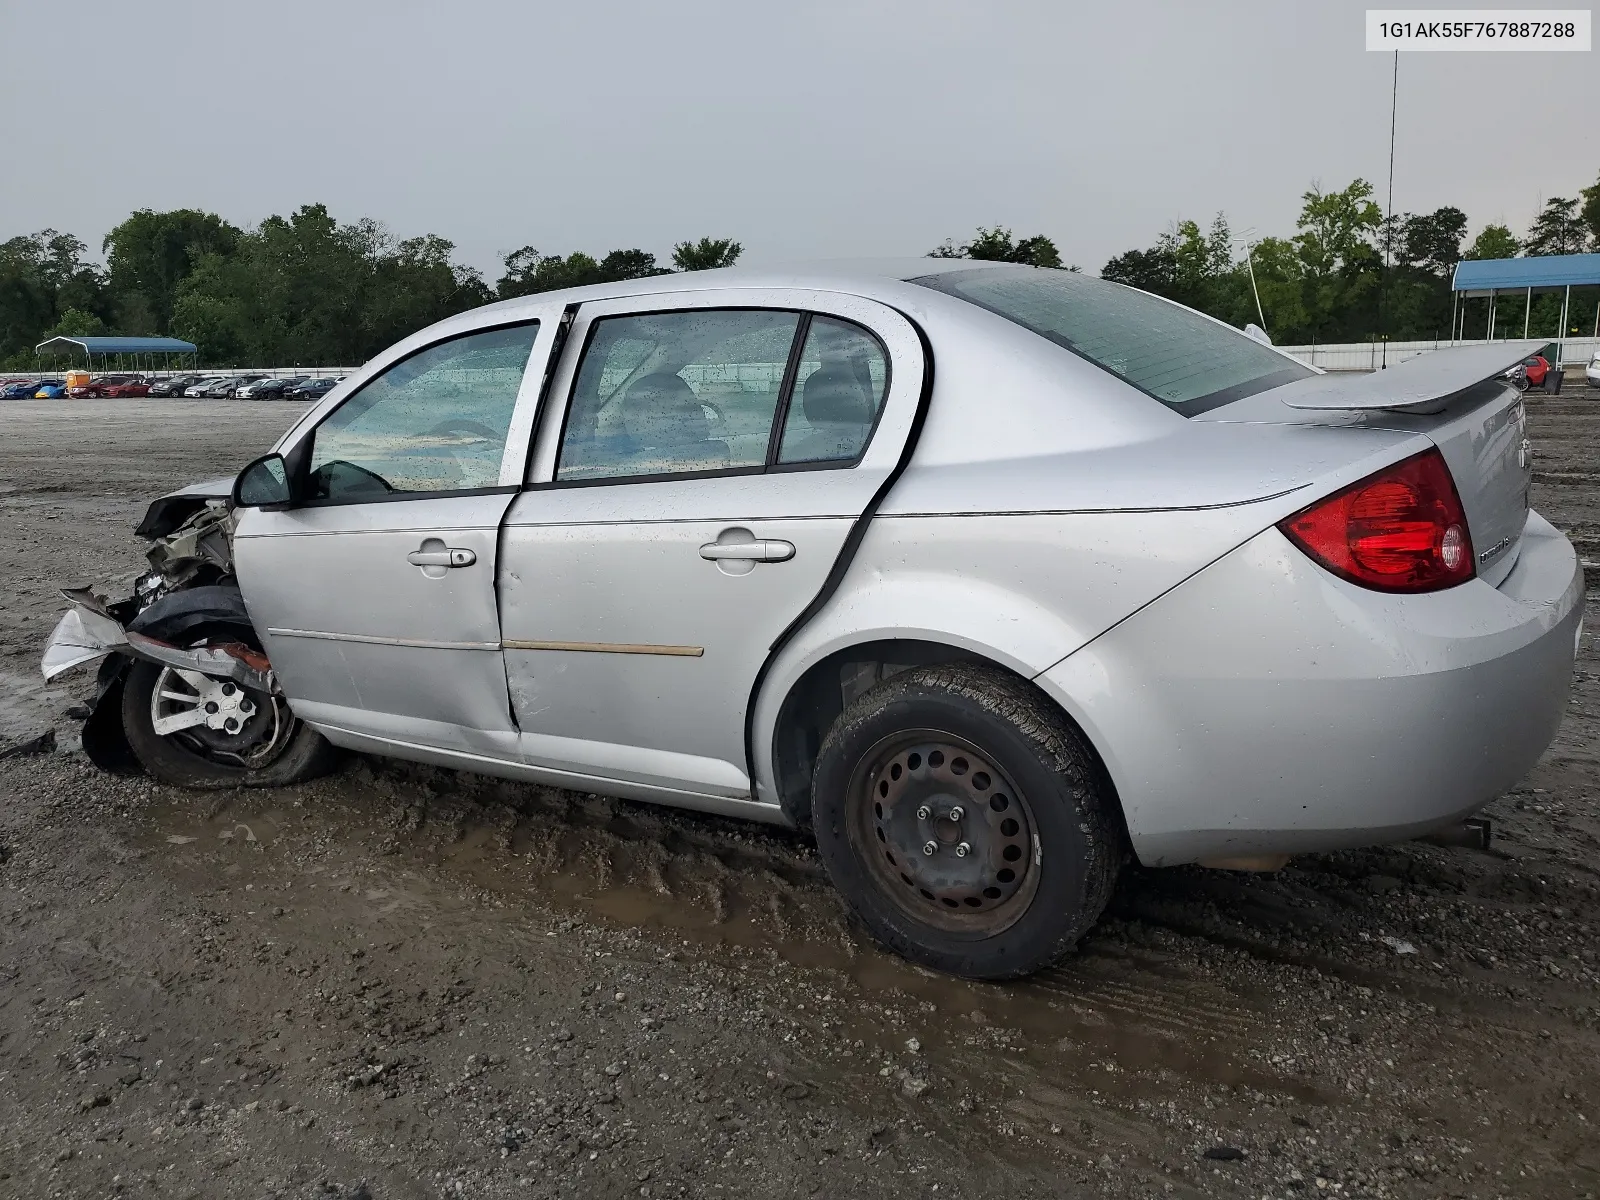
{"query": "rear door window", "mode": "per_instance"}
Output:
(840, 383)
(677, 393)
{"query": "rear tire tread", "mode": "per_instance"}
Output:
(1060, 750)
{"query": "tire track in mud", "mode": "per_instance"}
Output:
(721, 889)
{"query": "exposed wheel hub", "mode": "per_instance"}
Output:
(945, 831)
(217, 717)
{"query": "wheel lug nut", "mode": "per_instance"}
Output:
(211, 706)
(930, 846)
(962, 850)
(232, 726)
(924, 813)
(957, 813)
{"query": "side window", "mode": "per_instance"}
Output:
(434, 422)
(838, 391)
(666, 393)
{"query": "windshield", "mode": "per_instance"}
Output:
(1187, 361)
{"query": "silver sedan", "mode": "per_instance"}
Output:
(992, 577)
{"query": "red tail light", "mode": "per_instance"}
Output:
(1401, 530)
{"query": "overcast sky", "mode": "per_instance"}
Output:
(804, 130)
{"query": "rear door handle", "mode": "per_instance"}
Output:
(450, 556)
(758, 550)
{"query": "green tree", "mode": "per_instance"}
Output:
(1340, 260)
(527, 271)
(998, 245)
(707, 254)
(75, 323)
(1154, 270)
(1280, 279)
(1432, 241)
(42, 276)
(1493, 241)
(151, 253)
(1192, 266)
(1559, 229)
(308, 289)
(1590, 213)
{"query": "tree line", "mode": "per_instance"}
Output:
(1349, 274)
(298, 289)
(309, 289)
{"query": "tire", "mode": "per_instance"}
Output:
(286, 752)
(1036, 820)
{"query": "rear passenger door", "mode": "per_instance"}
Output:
(694, 480)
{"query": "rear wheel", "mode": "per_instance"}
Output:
(965, 821)
(190, 730)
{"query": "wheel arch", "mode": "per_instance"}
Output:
(826, 684)
(104, 739)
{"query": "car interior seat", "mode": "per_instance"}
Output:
(840, 412)
(666, 424)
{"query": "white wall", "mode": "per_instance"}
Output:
(1369, 356)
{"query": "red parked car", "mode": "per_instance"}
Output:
(1537, 368)
(132, 387)
(98, 385)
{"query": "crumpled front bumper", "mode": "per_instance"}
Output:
(88, 631)
(81, 636)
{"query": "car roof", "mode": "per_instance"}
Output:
(864, 276)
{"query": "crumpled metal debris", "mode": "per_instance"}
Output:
(82, 635)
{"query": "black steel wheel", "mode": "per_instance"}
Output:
(966, 821)
(955, 841)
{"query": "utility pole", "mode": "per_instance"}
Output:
(1388, 241)
(1249, 262)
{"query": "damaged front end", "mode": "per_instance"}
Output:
(186, 613)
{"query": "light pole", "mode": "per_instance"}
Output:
(1388, 241)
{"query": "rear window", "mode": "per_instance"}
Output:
(1187, 361)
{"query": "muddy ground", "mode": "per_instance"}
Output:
(401, 982)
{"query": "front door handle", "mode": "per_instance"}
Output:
(435, 553)
(756, 550)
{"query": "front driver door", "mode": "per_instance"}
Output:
(376, 598)
(690, 503)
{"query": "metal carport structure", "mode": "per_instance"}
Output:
(1543, 273)
(105, 347)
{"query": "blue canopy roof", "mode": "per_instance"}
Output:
(1515, 274)
(131, 345)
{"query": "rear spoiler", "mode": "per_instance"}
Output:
(1425, 383)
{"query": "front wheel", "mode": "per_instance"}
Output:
(190, 730)
(965, 821)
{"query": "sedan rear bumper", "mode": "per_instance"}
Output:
(1266, 707)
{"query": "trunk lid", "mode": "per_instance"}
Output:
(1483, 438)
(1456, 398)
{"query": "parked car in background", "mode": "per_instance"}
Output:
(22, 389)
(137, 386)
(230, 390)
(97, 386)
(269, 389)
(994, 577)
(312, 389)
(1592, 371)
(173, 385)
(1536, 367)
(200, 386)
(227, 387)
(50, 390)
